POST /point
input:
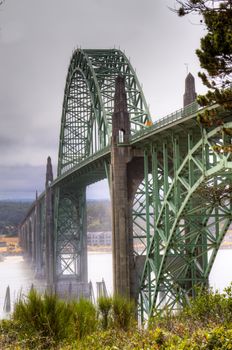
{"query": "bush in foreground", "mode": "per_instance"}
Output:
(45, 322)
(45, 316)
(116, 312)
(84, 318)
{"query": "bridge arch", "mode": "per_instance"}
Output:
(192, 219)
(88, 104)
(170, 168)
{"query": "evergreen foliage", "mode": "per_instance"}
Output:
(215, 52)
(84, 318)
(123, 312)
(104, 308)
(98, 216)
(46, 316)
(117, 312)
(12, 214)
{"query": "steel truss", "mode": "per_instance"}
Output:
(188, 202)
(182, 208)
(85, 130)
(89, 102)
(70, 230)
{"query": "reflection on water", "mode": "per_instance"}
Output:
(17, 273)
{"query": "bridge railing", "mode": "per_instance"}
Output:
(169, 119)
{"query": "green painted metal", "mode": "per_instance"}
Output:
(70, 233)
(192, 212)
(88, 104)
(85, 137)
(181, 209)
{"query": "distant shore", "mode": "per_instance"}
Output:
(9, 246)
(99, 249)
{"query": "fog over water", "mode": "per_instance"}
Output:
(17, 273)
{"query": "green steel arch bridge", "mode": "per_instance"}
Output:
(170, 186)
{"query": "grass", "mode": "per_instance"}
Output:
(46, 322)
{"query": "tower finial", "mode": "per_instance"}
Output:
(190, 93)
(120, 117)
(49, 173)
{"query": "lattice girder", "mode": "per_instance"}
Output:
(89, 102)
(70, 234)
(191, 204)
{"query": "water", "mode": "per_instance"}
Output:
(100, 266)
(16, 273)
(221, 273)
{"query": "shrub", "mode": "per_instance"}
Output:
(45, 316)
(123, 312)
(219, 339)
(104, 307)
(45, 322)
(210, 306)
(84, 317)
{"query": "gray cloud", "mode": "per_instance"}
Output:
(15, 180)
(36, 42)
(23, 182)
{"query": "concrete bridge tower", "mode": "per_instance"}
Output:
(119, 193)
(190, 92)
(49, 227)
(127, 165)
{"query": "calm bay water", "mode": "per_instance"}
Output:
(17, 273)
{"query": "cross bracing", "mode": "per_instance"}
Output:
(89, 102)
(177, 176)
(193, 216)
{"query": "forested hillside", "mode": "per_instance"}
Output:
(12, 213)
(98, 216)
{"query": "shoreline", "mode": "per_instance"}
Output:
(95, 250)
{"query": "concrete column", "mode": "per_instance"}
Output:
(120, 156)
(38, 240)
(49, 228)
(190, 92)
(33, 238)
(127, 172)
(84, 256)
(29, 238)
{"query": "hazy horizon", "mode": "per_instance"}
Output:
(37, 39)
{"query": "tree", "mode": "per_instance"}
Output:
(215, 53)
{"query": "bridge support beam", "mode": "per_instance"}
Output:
(71, 242)
(39, 273)
(126, 174)
(119, 195)
(49, 228)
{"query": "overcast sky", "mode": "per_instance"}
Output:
(37, 38)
